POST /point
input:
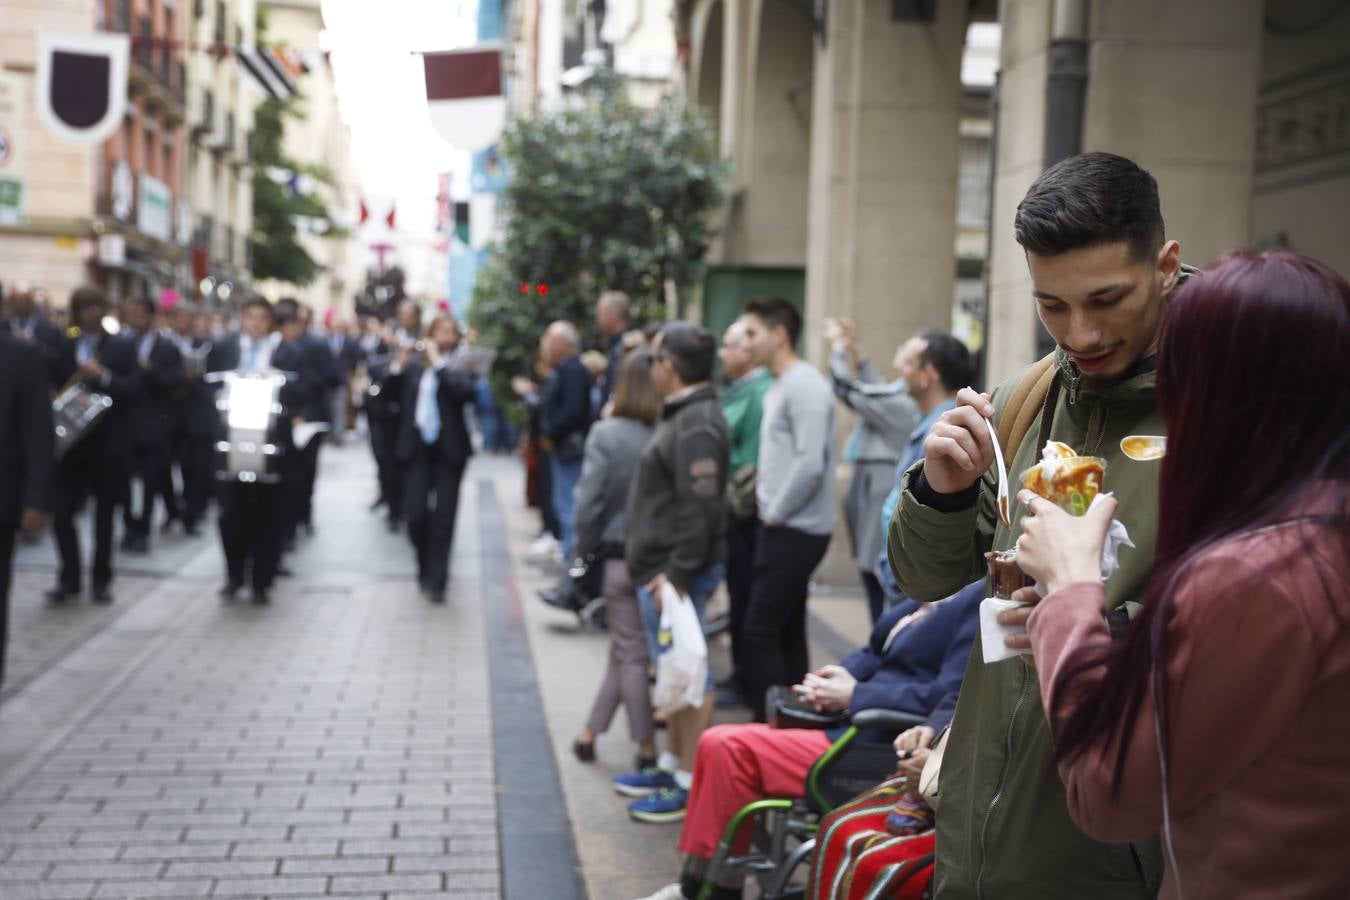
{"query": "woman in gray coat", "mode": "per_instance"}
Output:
(611, 457)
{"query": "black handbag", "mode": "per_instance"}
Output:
(787, 710)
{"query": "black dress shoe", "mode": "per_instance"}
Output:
(558, 599)
(192, 529)
(102, 596)
(584, 751)
(261, 598)
(58, 595)
(229, 590)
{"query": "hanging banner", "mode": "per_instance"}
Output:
(464, 95)
(82, 84)
(13, 137)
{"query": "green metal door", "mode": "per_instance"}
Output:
(726, 288)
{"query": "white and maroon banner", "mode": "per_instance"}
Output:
(82, 84)
(464, 95)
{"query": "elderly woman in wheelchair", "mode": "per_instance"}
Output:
(829, 740)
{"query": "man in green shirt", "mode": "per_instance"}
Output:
(742, 406)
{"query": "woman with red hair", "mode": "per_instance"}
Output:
(1219, 718)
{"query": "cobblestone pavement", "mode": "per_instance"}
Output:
(338, 742)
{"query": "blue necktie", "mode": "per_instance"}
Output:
(428, 414)
(251, 358)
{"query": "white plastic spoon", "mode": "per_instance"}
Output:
(1002, 475)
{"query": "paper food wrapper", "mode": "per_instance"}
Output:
(992, 633)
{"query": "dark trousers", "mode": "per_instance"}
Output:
(150, 467)
(251, 532)
(547, 512)
(192, 455)
(309, 473)
(430, 501)
(383, 433)
(6, 571)
(775, 622)
(740, 582)
(83, 474)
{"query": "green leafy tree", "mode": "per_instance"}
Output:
(279, 204)
(601, 195)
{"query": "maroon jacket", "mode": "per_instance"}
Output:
(1259, 755)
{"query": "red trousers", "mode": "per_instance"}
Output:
(739, 764)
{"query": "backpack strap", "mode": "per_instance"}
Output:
(1024, 405)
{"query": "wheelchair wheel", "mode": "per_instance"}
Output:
(592, 615)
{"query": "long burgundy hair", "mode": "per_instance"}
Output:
(1253, 377)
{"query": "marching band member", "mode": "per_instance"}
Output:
(192, 430)
(384, 406)
(27, 323)
(252, 514)
(162, 365)
(434, 447)
(99, 464)
(25, 456)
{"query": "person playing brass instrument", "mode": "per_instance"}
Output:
(433, 446)
(99, 464)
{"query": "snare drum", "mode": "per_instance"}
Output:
(74, 412)
(249, 448)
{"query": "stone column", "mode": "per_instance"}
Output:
(884, 144)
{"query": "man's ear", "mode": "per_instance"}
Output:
(1169, 265)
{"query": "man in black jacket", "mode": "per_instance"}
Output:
(27, 323)
(100, 464)
(323, 375)
(565, 413)
(676, 535)
(25, 457)
(253, 515)
(192, 429)
(161, 363)
(433, 447)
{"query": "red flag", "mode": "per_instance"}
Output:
(390, 218)
(365, 213)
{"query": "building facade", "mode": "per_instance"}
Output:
(318, 137)
(111, 215)
(223, 92)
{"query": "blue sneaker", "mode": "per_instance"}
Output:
(644, 783)
(666, 805)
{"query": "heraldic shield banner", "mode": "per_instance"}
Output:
(82, 84)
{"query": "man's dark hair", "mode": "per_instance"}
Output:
(144, 302)
(1089, 200)
(286, 310)
(948, 356)
(775, 311)
(691, 349)
(85, 297)
(259, 303)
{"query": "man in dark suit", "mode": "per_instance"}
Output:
(253, 515)
(310, 364)
(100, 463)
(25, 457)
(384, 405)
(326, 376)
(161, 363)
(346, 349)
(192, 427)
(27, 323)
(565, 414)
(434, 447)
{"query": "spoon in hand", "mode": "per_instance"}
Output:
(1002, 475)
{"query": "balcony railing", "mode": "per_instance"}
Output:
(141, 47)
(119, 19)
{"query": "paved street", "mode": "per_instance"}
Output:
(348, 740)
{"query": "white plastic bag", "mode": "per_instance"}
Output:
(682, 666)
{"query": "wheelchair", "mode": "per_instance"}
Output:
(784, 830)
